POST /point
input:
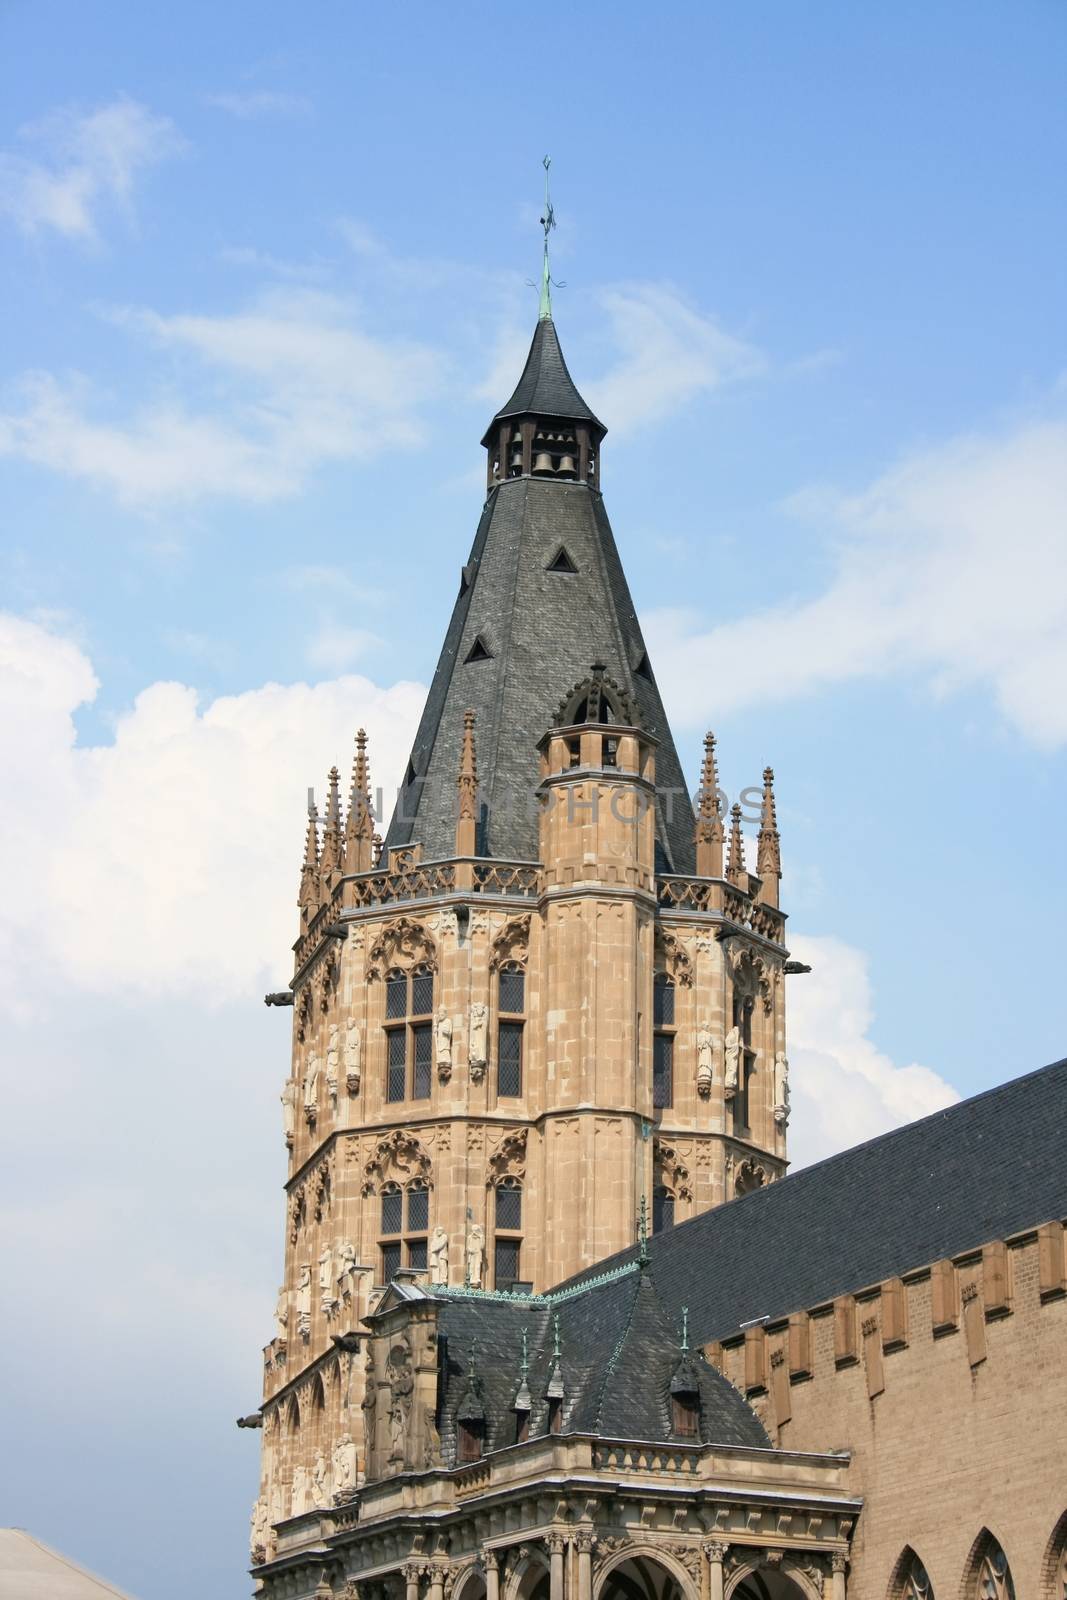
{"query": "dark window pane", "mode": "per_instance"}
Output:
(390, 1261)
(685, 1416)
(468, 1441)
(422, 994)
(396, 1088)
(417, 1254)
(392, 1215)
(418, 1210)
(396, 995)
(662, 1069)
(423, 1038)
(513, 991)
(663, 1002)
(505, 1263)
(509, 1059)
(509, 1208)
(662, 1211)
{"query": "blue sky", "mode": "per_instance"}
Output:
(264, 278)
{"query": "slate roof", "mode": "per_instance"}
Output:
(30, 1570)
(619, 1353)
(544, 631)
(546, 388)
(984, 1169)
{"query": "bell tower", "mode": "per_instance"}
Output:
(552, 999)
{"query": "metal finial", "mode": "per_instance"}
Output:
(548, 222)
(525, 1368)
(685, 1330)
(555, 1336)
(642, 1232)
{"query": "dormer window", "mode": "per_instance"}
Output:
(685, 1416)
(555, 1414)
(470, 1439)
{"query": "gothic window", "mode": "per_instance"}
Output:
(994, 1574)
(511, 1022)
(662, 1209)
(685, 1416)
(405, 1221)
(662, 1041)
(417, 1201)
(408, 1034)
(915, 1584)
(507, 1234)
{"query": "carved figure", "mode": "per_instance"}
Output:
(345, 1265)
(281, 1316)
(333, 1060)
(326, 1277)
(300, 1490)
(289, 1112)
(475, 1255)
(344, 1466)
(303, 1299)
(705, 1058)
(277, 1501)
(353, 1053)
(320, 1477)
(260, 1530)
(401, 1384)
(311, 1087)
(781, 1090)
(439, 1255)
(443, 1045)
(733, 1061)
(479, 1028)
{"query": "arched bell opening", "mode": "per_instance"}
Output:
(643, 1576)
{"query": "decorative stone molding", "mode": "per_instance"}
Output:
(674, 958)
(508, 1159)
(512, 944)
(403, 943)
(671, 1170)
(400, 1157)
(749, 1175)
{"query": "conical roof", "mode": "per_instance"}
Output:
(546, 388)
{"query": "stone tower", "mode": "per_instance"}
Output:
(554, 998)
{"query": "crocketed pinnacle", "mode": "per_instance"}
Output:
(735, 862)
(709, 830)
(308, 899)
(467, 785)
(359, 826)
(330, 860)
(768, 847)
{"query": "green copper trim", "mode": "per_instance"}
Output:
(548, 222)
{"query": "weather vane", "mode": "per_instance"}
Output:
(548, 222)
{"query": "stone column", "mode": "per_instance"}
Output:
(437, 1581)
(838, 1567)
(411, 1581)
(492, 1574)
(584, 1543)
(555, 1543)
(716, 1554)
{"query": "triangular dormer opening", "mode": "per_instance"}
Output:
(479, 651)
(643, 669)
(561, 561)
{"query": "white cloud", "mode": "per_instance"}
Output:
(334, 646)
(953, 564)
(88, 161)
(844, 1089)
(301, 384)
(261, 103)
(670, 353)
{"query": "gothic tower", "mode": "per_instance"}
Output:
(547, 1002)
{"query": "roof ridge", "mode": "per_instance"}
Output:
(72, 1566)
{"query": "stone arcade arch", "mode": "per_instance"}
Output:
(527, 1574)
(643, 1572)
(760, 1580)
(470, 1583)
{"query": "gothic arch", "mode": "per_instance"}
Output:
(987, 1572)
(910, 1580)
(292, 1416)
(511, 944)
(508, 1159)
(468, 1584)
(1054, 1564)
(671, 1171)
(597, 698)
(401, 943)
(398, 1158)
(759, 1576)
(638, 1557)
(526, 1574)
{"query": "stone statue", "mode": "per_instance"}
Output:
(303, 1300)
(781, 1090)
(345, 1264)
(443, 1044)
(333, 1061)
(257, 1539)
(344, 1467)
(320, 1478)
(311, 1087)
(705, 1058)
(479, 1028)
(277, 1501)
(281, 1316)
(300, 1490)
(733, 1060)
(439, 1255)
(475, 1255)
(326, 1277)
(289, 1112)
(353, 1048)
(401, 1384)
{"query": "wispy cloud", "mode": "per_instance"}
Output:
(952, 564)
(85, 162)
(288, 384)
(334, 646)
(250, 104)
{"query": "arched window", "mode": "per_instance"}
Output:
(1054, 1567)
(663, 1040)
(662, 1209)
(405, 1223)
(510, 1030)
(507, 1234)
(989, 1573)
(911, 1580)
(408, 1034)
